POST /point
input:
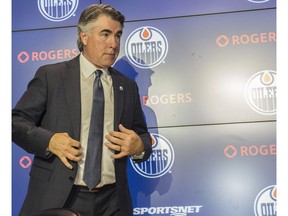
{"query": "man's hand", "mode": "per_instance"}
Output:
(66, 148)
(126, 141)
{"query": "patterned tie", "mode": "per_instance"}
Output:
(92, 170)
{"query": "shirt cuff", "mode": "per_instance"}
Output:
(138, 157)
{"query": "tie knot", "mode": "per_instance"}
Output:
(98, 73)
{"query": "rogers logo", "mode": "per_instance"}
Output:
(244, 39)
(25, 162)
(232, 151)
(24, 57)
(167, 99)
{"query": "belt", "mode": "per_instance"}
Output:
(93, 190)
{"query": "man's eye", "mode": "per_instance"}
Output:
(105, 34)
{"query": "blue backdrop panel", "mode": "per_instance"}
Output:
(221, 168)
(21, 163)
(200, 76)
(151, 9)
(47, 13)
(35, 14)
(203, 75)
(33, 49)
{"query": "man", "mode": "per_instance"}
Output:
(52, 121)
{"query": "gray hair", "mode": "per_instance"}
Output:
(90, 14)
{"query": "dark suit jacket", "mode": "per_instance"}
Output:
(51, 104)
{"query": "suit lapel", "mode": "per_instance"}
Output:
(71, 83)
(119, 91)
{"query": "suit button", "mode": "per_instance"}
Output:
(71, 178)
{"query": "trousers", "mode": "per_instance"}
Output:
(102, 202)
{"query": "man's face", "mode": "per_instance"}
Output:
(102, 45)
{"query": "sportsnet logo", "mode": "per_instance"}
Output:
(168, 210)
(146, 47)
(265, 203)
(160, 161)
(57, 11)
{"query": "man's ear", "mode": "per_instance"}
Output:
(84, 37)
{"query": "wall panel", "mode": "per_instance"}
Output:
(206, 72)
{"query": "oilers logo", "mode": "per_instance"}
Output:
(160, 161)
(261, 92)
(57, 10)
(146, 47)
(265, 203)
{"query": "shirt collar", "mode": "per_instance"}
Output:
(87, 68)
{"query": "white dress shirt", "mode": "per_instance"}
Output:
(87, 76)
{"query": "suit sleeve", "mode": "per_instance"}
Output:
(27, 115)
(140, 127)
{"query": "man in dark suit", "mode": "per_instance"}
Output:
(52, 121)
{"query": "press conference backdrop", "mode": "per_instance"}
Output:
(206, 72)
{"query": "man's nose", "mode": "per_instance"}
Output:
(114, 42)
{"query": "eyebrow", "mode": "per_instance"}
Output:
(109, 31)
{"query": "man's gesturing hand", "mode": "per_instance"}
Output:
(66, 148)
(126, 142)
